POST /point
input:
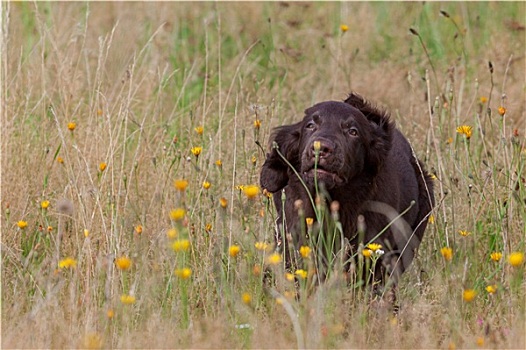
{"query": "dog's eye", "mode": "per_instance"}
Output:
(310, 125)
(353, 131)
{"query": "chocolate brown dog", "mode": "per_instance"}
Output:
(353, 154)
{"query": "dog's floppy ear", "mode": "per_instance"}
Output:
(274, 173)
(382, 131)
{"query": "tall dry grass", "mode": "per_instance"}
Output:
(139, 79)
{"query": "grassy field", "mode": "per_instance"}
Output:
(130, 137)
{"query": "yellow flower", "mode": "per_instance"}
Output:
(22, 224)
(223, 202)
(49, 228)
(206, 185)
(317, 146)
(181, 245)
(468, 295)
(110, 313)
(447, 253)
(261, 245)
(181, 184)
(480, 341)
(67, 263)
(464, 233)
(172, 233)
(44, 204)
(374, 246)
(86, 233)
(257, 124)
(72, 126)
(274, 259)
(60, 160)
(234, 250)
(138, 229)
(289, 276)
(177, 214)
(301, 273)
(199, 130)
(102, 166)
(465, 130)
(491, 289)
(289, 294)
(219, 163)
(367, 253)
(254, 160)
(92, 341)
(516, 259)
(431, 219)
(305, 251)
(496, 256)
(502, 111)
(251, 191)
(344, 28)
(246, 298)
(208, 227)
(196, 151)
(309, 221)
(183, 273)
(123, 263)
(483, 99)
(127, 299)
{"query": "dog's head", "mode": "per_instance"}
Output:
(333, 144)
